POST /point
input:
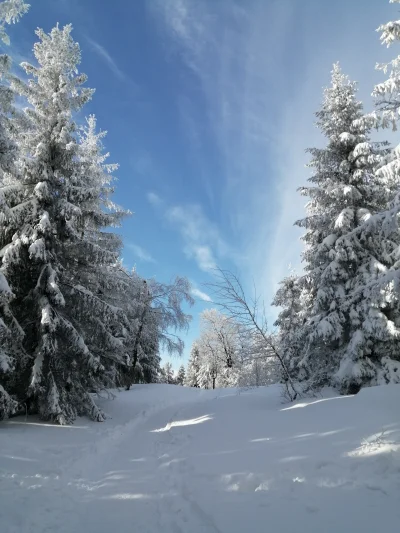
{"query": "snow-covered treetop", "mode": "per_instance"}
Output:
(387, 93)
(339, 108)
(97, 176)
(341, 172)
(58, 84)
(10, 12)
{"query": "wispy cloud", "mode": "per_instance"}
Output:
(141, 253)
(202, 240)
(103, 53)
(142, 163)
(202, 254)
(261, 75)
(225, 44)
(154, 199)
(197, 293)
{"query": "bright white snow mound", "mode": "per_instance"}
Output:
(176, 460)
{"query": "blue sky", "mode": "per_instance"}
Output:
(209, 107)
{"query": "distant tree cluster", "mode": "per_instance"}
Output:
(73, 320)
(228, 353)
(169, 376)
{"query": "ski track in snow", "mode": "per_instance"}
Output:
(181, 460)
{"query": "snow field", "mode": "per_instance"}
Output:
(174, 459)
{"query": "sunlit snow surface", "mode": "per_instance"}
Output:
(182, 460)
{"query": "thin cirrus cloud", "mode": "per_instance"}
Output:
(104, 54)
(224, 45)
(260, 74)
(140, 253)
(202, 254)
(154, 199)
(201, 238)
(197, 293)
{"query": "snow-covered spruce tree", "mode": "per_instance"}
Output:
(203, 365)
(169, 373)
(180, 378)
(193, 367)
(148, 365)
(11, 350)
(208, 372)
(294, 300)
(11, 335)
(344, 191)
(373, 354)
(161, 376)
(56, 255)
(100, 249)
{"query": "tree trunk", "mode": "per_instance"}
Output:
(136, 350)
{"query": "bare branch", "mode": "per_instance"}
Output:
(229, 295)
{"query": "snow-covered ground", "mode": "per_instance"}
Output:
(177, 460)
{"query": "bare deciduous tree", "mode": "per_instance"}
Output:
(250, 313)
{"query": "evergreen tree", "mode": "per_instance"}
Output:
(11, 335)
(208, 373)
(180, 378)
(345, 191)
(92, 192)
(292, 298)
(150, 366)
(373, 301)
(55, 254)
(169, 373)
(193, 367)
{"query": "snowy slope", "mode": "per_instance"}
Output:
(176, 460)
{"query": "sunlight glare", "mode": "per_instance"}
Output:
(306, 404)
(179, 423)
